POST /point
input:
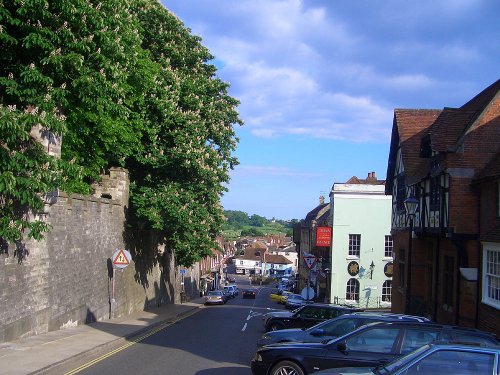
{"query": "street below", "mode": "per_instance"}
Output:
(219, 339)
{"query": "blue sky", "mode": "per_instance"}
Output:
(319, 80)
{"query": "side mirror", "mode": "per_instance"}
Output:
(342, 347)
(318, 332)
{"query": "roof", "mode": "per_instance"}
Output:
(493, 235)
(449, 127)
(317, 212)
(408, 128)
(277, 259)
(371, 179)
(491, 170)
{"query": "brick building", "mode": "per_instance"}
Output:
(448, 160)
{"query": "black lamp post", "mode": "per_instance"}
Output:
(327, 271)
(411, 207)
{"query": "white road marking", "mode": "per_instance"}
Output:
(244, 327)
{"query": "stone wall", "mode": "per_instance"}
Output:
(67, 279)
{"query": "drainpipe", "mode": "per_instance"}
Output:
(436, 279)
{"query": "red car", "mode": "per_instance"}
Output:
(249, 293)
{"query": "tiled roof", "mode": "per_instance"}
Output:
(449, 127)
(481, 100)
(370, 180)
(491, 170)
(317, 212)
(277, 259)
(492, 236)
(409, 126)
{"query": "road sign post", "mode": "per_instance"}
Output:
(120, 259)
(309, 260)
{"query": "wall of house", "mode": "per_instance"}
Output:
(368, 214)
(67, 279)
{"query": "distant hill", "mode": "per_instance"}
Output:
(239, 224)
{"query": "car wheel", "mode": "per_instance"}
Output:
(287, 368)
(273, 326)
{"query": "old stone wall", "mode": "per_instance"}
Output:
(68, 279)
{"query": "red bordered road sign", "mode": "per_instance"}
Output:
(121, 258)
(310, 260)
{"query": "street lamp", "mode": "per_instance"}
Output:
(372, 267)
(411, 207)
(327, 271)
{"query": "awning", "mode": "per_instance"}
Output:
(207, 277)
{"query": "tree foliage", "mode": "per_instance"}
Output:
(126, 84)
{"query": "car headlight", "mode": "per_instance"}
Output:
(265, 336)
(257, 358)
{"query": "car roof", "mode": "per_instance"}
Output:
(433, 324)
(386, 316)
(462, 345)
(333, 306)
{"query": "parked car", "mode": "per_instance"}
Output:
(333, 328)
(215, 297)
(294, 300)
(277, 297)
(369, 345)
(248, 293)
(229, 291)
(305, 316)
(435, 358)
(236, 290)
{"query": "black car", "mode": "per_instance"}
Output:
(368, 346)
(305, 316)
(435, 358)
(248, 293)
(335, 327)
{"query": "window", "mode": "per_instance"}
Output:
(402, 264)
(388, 247)
(417, 337)
(435, 193)
(241, 262)
(400, 193)
(449, 361)
(449, 280)
(354, 245)
(376, 340)
(491, 277)
(352, 290)
(387, 291)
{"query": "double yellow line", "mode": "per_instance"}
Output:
(132, 342)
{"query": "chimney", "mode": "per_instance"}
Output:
(321, 199)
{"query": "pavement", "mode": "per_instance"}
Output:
(62, 351)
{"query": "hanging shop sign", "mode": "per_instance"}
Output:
(323, 236)
(353, 268)
(388, 269)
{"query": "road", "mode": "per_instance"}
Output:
(215, 340)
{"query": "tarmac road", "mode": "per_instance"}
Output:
(212, 340)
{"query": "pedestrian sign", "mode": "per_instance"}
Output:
(121, 258)
(309, 260)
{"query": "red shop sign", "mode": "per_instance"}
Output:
(324, 236)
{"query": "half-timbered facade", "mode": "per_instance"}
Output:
(435, 157)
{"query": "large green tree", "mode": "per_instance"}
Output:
(125, 83)
(179, 178)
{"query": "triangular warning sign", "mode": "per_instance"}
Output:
(121, 259)
(310, 260)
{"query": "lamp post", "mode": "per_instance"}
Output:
(372, 267)
(411, 207)
(327, 271)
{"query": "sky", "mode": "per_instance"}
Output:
(318, 82)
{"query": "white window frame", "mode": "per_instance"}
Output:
(352, 290)
(388, 244)
(354, 242)
(491, 275)
(387, 291)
